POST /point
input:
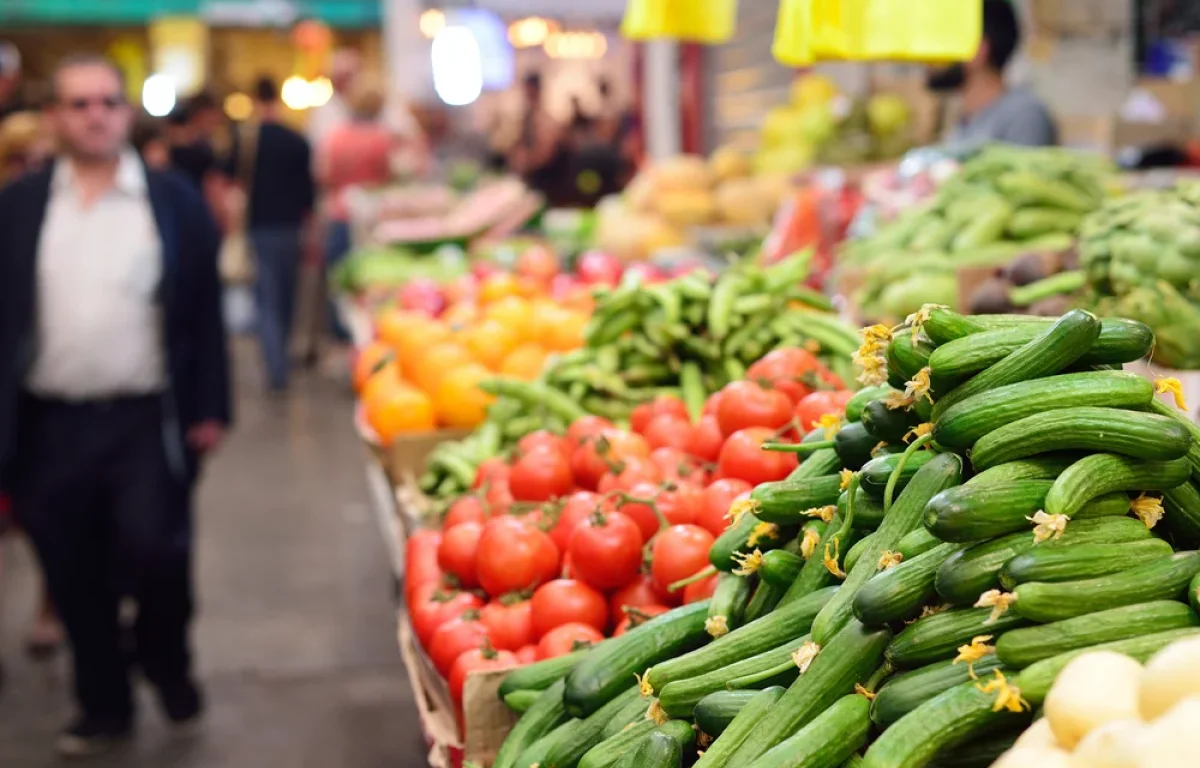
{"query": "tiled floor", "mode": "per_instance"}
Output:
(296, 633)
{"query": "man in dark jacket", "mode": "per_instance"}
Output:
(113, 385)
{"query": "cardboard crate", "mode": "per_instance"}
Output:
(405, 457)
(487, 721)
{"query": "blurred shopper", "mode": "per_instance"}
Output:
(345, 65)
(192, 131)
(540, 155)
(352, 155)
(116, 386)
(991, 111)
(10, 79)
(150, 140)
(274, 164)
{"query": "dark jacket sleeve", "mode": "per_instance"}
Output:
(213, 395)
(306, 171)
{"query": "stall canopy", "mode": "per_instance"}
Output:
(338, 13)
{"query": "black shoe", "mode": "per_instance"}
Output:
(183, 703)
(87, 737)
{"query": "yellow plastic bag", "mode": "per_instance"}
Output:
(700, 21)
(869, 30)
(793, 45)
(939, 30)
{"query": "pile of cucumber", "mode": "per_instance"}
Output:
(908, 595)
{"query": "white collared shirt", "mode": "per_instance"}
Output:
(99, 324)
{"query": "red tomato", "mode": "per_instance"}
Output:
(813, 406)
(421, 560)
(567, 601)
(679, 552)
(676, 465)
(477, 660)
(611, 448)
(457, 553)
(606, 551)
(636, 506)
(663, 405)
(681, 504)
(586, 428)
(712, 403)
(491, 471)
(567, 638)
(542, 438)
(630, 472)
(746, 404)
(707, 439)
(637, 594)
(498, 498)
(541, 475)
(715, 501)
(508, 626)
(742, 457)
(538, 263)
(466, 509)
(527, 654)
(637, 617)
(514, 555)
(432, 606)
(793, 371)
(700, 590)
(454, 638)
(668, 430)
(575, 509)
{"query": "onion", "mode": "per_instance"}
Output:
(1172, 675)
(1034, 757)
(1038, 735)
(1094, 689)
(1118, 744)
(1173, 741)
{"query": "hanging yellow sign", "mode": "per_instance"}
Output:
(699, 21)
(808, 31)
(130, 57)
(179, 49)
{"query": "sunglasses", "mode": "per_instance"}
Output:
(83, 104)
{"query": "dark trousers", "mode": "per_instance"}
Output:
(109, 520)
(276, 261)
(338, 243)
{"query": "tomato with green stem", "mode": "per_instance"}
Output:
(678, 466)
(490, 472)
(586, 428)
(679, 552)
(541, 474)
(482, 659)
(812, 407)
(465, 509)
(606, 452)
(433, 604)
(542, 438)
(742, 457)
(746, 404)
(454, 638)
(630, 472)
(567, 638)
(574, 510)
(715, 501)
(514, 555)
(679, 503)
(567, 601)
(663, 405)
(707, 439)
(640, 504)
(606, 550)
(638, 593)
(793, 371)
(458, 552)
(668, 430)
(509, 621)
(635, 617)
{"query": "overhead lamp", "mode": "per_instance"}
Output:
(457, 66)
(432, 21)
(530, 32)
(576, 45)
(158, 95)
(238, 106)
(295, 93)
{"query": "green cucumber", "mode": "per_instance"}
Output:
(521, 701)
(979, 752)
(1045, 467)
(1193, 595)
(1054, 349)
(906, 356)
(854, 444)
(784, 502)
(542, 674)
(727, 606)
(744, 536)
(765, 599)
(1106, 472)
(1119, 341)
(780, 626)
(850, 657)
(633, 712)
(814, 575)
(868, 510)
(971, 513)
(936, 637)
(609, 669)
(821, 462)
(899, 593)
(967, 574)
(888, 424)
(1081, 561)
(780, 567)
(1182, 514)
(856, 552)
(951, 718)
(609, 751)
(944, 325)
(735, 734)
(536, 753)
(716, 711)
(977, 416)
(1086, 428)
(678, 697)
(546, 714)
(916, 542)
(941, 472)
(1022, 647)
(873, 477)
(656, 750)
(906, 691)
(1036, 679)
(1163, 579)
(827, 741)
(590, 730)
(857, 402)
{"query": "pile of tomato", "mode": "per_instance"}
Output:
(575, 537)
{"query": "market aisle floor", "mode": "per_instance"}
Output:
(296, 636)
